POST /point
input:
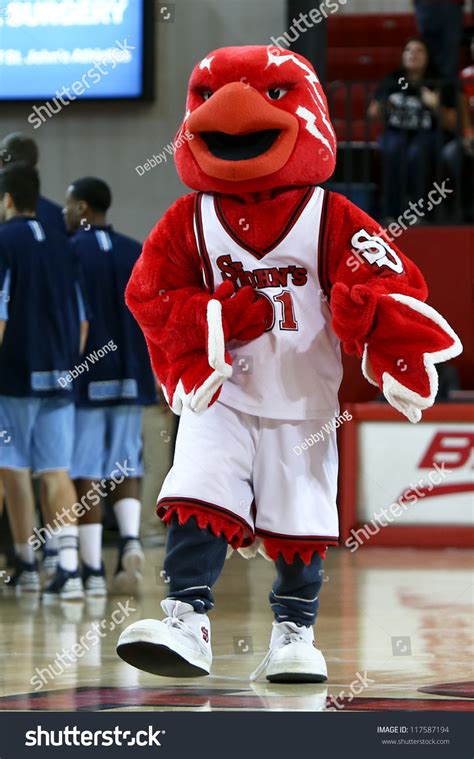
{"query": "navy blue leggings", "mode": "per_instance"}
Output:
(194, 561)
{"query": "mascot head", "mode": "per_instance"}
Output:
(256, 119)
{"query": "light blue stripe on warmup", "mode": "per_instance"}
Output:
(5, 296)
(80, 304)
(37, 230)
(109, 390)
(103, 238)
(41, 381)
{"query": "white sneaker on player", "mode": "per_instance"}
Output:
(25, 579)
(292, 657)
(178, 646)
(66, 586)
(94, 582)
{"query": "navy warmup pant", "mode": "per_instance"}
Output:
(194, 561)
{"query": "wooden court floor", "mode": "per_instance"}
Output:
(396, 627)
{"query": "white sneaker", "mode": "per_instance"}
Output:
(94, 582)
(292, 657)
(95, 587)
(25, 579)
(179, 646)
(66, 586)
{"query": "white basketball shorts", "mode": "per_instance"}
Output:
(256, 471)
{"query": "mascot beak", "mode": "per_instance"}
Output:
(239, 135)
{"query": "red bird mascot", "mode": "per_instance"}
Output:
(244, 291)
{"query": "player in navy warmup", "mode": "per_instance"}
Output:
(19, 148)
(115, 382)
(42, 319)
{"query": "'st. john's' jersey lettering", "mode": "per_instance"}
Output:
(296, 364)
(261, 278)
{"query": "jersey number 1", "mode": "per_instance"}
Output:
(288, 322)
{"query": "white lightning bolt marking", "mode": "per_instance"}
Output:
(206, 63)
(278, 59)
(310, 119)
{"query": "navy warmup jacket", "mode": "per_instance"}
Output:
(115, 375)
(41, 299)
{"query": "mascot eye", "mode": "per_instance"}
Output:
(276, 93)
(206, 94)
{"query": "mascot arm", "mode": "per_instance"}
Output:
(377, 299)
(185, 326)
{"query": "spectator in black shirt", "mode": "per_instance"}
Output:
(410, 103)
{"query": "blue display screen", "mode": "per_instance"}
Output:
(77, 49)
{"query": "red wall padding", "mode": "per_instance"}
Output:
(370, 30)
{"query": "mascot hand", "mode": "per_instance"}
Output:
(198, 375)
(199, 385)
(246, 315)
(408, 339)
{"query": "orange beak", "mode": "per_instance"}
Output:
(239, 135)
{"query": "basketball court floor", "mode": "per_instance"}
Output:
(396, 627)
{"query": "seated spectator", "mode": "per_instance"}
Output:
(414, 110)
(458, 154)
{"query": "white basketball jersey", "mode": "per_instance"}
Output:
(292, 371)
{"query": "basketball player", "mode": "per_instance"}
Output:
(19, 148)
(112, 388)
(42, 319)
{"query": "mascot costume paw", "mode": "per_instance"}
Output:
(245, 291)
